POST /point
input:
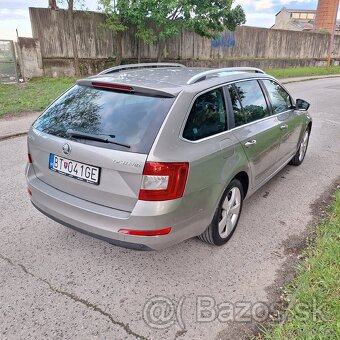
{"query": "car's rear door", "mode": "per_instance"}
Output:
(291, 120)
(211, 145)
(257, 131)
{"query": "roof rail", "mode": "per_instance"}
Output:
(135, 66)
(203, 75)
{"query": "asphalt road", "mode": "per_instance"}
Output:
(57, 283)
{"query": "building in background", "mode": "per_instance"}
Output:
(294, 19)
(304, 19)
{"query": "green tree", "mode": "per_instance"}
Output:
(117, 14)
(161, 19)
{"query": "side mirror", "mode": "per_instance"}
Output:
(302, 105)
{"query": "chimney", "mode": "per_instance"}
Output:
(326, 14)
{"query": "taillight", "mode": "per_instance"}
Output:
(29, 158)
(29, 191)
(163, 181)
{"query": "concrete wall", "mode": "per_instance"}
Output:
(260, 63)
(54, 67)
(51, 28)
(247, 46)
(30, 59)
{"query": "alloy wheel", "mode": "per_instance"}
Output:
(230, 211)
(303, 146)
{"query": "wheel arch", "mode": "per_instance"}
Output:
(243, 177)
(309, 126)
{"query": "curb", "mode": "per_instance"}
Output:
(12, 135)
(287, 81)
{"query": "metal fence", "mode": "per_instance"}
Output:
(8, 64)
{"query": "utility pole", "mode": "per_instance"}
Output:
(70, 16)
(52, 4)
(332, 37)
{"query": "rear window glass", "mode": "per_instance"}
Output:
(253, 101)
(129, 119)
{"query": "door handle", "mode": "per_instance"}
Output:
(284, 127)
(250, 143)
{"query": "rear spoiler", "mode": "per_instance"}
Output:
(103, 84)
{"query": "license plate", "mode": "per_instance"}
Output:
(80, 171)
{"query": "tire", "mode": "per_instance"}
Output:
(301, 153)
(224, 223)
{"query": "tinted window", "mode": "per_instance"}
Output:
(133, 119)
(207, 116)
(252, 99)
(279, 98)
(239, 116)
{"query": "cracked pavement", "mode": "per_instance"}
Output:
(57, 283)
(73, 297)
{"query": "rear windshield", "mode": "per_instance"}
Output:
(126, 118)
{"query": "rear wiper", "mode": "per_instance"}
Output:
(97, 138)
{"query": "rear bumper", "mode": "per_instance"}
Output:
(104, 223)
(109, 240)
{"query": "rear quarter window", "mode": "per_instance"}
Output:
(207, 116)
(130, 119)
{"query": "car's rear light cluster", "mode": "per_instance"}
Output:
(163, 181)
(158, 232)
(29, 191)
(29, 158)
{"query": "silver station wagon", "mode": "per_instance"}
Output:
(145, 156)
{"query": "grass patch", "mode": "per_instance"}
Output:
(314, 295)
(303, 71)
(32, 96)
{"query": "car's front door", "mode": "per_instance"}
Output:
(291, 120)
(258, 131)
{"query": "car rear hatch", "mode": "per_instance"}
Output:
(93, 142)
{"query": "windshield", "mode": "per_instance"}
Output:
(131, 119)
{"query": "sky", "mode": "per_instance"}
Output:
(14, 13)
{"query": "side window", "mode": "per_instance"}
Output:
(252, 99)
(279, 98)
(207, 116)
(239, 116)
